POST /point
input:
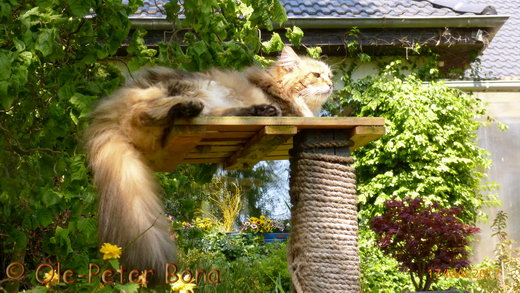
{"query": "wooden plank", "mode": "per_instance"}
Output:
(239, 127)
(300, 122)
(181, 141)
(285, 147)
(276, 158)
(216, 148)
(240, 142)
(209, 155)
(229, 134)
(223, 142)
(264, 142)
(203, 161)
(361, 135)
(279, 153)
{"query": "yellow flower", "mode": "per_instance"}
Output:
(110, 251)
(182, 286)
(142, 280)
(51, 278)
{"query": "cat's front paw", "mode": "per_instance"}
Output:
(188, 109)
(266, 110)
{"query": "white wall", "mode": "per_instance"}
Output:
(505, 153)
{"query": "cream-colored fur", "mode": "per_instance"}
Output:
(129, 126)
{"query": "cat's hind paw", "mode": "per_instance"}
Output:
(188, 109)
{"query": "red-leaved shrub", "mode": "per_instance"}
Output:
(423, 238)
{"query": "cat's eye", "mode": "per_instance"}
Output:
(317, 74)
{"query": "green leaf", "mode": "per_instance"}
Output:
(87, 226)
(114, 263)
(19, 45)
(279, 13)
(44, 217)
(275, 44)
(314, 52)
(25, 57)
(6, 100)
(74, 118)
(19, 239)
(50, 198)
(82, 103)
(128, 287)
(80, 8)
(38, 289)
(295, 35)
(5, 64)
(77, 169)
(62, 241)
(45, 41)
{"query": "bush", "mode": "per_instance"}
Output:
(379, 272)
(430, 149)
(424, 239)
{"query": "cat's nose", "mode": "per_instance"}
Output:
(330, 85)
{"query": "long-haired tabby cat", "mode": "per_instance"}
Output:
(130, 125)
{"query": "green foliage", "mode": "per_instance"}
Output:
(314, 52)
(185, 190)
(219, 33)
(52, 66)
(294, 35)
(379, 273)
(430, 148)
(508, 257)
(189, 193)
(262, 270)
(207, 235)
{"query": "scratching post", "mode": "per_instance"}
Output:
(323, 252)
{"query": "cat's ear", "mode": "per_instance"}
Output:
(288, 59)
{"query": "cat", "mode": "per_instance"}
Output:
(132, 123)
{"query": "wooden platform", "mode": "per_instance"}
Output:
(241, 142)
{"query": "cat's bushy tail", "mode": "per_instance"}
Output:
(130, 209)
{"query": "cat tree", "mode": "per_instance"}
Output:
(323, 253)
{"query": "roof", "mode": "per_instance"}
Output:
(352, 8)
(373, 8)
(501, 59)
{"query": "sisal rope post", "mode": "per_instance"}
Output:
(323, 251)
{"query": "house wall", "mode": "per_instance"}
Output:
(504, 147)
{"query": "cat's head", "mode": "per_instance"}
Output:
(304, 77)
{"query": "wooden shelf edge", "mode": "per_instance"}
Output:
(223, 140)
(300, 122)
